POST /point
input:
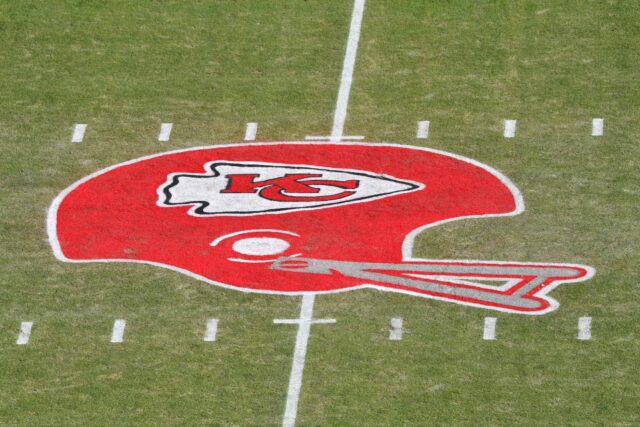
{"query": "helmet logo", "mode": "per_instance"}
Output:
(239, 188)
(300, 217)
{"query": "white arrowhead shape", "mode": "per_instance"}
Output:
(206, 192)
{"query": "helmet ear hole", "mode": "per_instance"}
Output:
(260, 246)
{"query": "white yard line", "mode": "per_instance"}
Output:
(78, 132)
(348, 65)
(423, 130)
(210, 332)
(25, 333)
(304, 323)
(489, 332)
(117, 336)
(597, 127)
(299, 355)
(165, 132)
(250, 132)
(584, 328)
(509, 128)
(395, 329)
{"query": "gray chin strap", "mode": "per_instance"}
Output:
(422, 278)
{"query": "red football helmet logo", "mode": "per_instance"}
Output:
(302, 217)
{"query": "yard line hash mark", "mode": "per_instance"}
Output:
(165, 132)
(117, 336)
(78, 132)
(584, 328)
(489, 332)
(25, 333)
(395, 329)
(210, 332)
(423, 130)
(297, 367)
(348, 65)
(509, 128)
(597, 127)
(250, 132)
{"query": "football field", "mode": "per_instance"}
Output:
(465, 137)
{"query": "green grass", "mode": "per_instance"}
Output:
(210, 67)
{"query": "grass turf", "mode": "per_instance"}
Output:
(209, 67)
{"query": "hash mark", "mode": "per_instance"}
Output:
(25, 333)
(584, 328)
(509, 128)
(78, 132)
(423, 130)
(250, 132)
(395, 329)
(212, 328)
(489, 332)
(165, 132)
(117, 336)
(597, 127)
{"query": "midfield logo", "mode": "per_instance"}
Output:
(297, 218)
(249, 188)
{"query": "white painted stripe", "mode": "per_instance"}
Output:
(210, 332)
(25, 333)
(250, 132)
(117, 336)
(597, 127)
(584, 328)
(423, 130)
(348, 65)
(299, 355)
(328, 137)
(509, 128)
(165, 132)
(489, 328)
(395, 329)
(78, 132)
(286, 321)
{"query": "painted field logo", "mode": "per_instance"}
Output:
(302, 217)
(251, 188)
